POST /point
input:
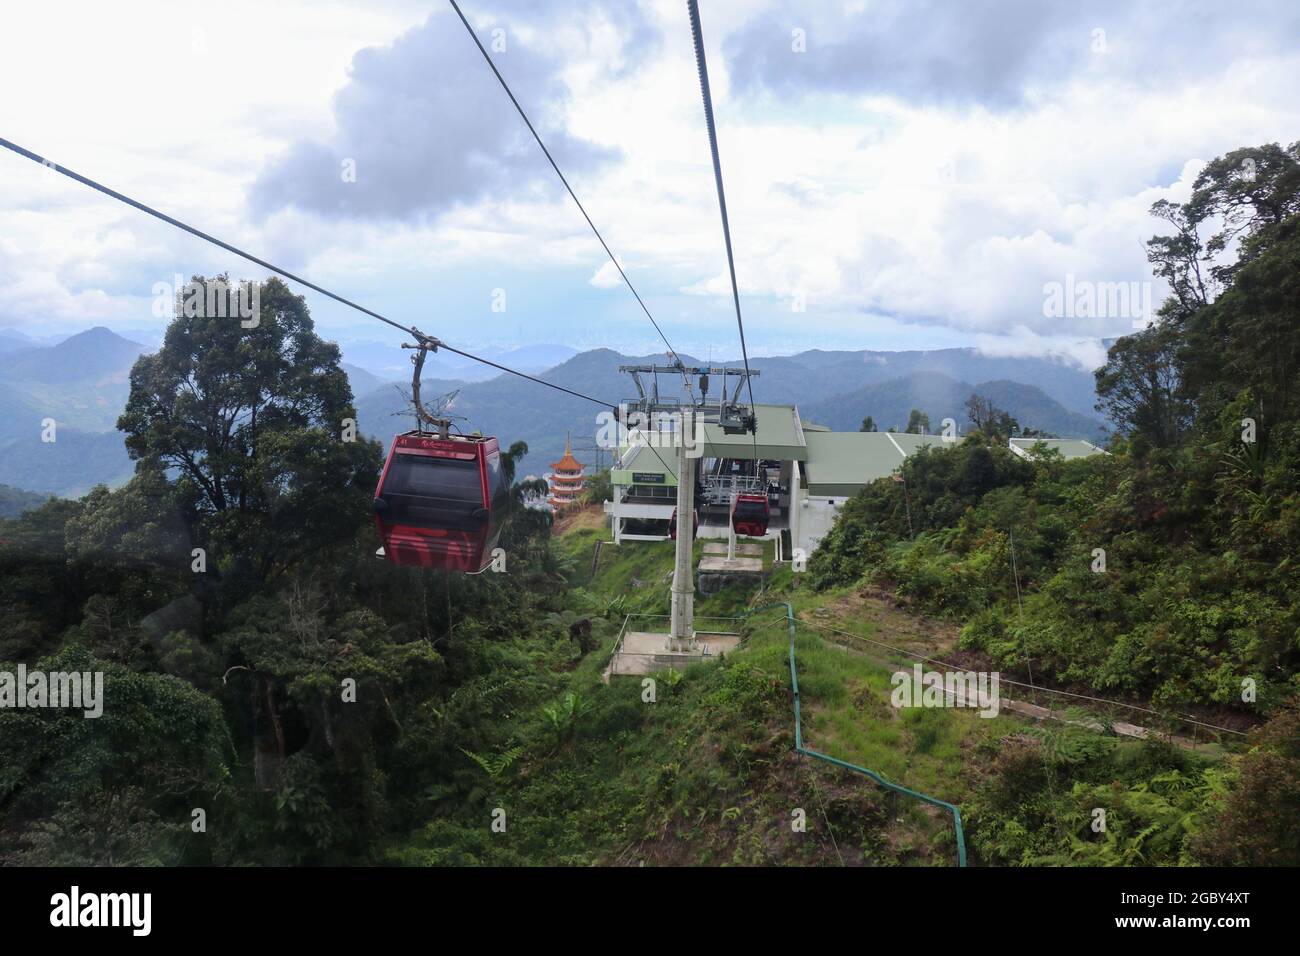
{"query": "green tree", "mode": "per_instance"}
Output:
(1181, 260)
(1256, 820)
(1248, 193)
(1246, 341)
(598, 488)
(14, 501)
(868, 425)
(918, 423)
(112, 789)
(141, 522)
(989, 419)
(258, 426)
(1138, 387)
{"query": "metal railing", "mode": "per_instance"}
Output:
(799, 747)
(1097, 713)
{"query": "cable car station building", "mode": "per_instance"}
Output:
(807, 471)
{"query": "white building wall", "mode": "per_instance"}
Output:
(811, 516)
(816, 516)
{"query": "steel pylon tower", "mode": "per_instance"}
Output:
(687, 419)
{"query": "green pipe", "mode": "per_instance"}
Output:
(800, 748)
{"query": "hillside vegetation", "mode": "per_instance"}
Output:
(14, 501)
(319, 706)
(1164, 571)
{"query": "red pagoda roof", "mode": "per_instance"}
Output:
(568, 462)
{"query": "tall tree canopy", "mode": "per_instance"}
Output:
(989, 419)
(255, 420)
(1227, 329)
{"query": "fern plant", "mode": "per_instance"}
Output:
(494, 765)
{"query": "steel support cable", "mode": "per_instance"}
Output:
(271, 267)
(574, 196)
(697, 36)
(871, 774)
(419, 336)
(1020, 616)
(577, 202)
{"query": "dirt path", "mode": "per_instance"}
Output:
(571, 519)
(892, 623)
(888, 621)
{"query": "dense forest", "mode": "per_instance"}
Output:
(278, 696)
(227, 592)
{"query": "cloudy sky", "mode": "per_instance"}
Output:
(900, 173)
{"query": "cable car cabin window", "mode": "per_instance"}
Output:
(498, 494)
(750, 509)
(496, 479)
(434, 492)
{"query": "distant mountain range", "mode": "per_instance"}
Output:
(362, 382)
(82, 382)
(11, 339)
(389, 363)
(940, 396)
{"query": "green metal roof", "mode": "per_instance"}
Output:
(1068, 447)
(780, 436)
(836, 464)
(911, 444)
(840, 463)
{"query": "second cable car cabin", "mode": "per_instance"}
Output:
(672, 523)
(441, 501)
(750, 514)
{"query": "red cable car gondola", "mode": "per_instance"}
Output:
(441, 500)
(672, 523)
(749, 515)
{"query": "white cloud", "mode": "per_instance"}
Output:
(894, 222)
(607, 277)
(1021, 341)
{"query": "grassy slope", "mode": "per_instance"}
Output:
(844, 683)
(707, 773)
